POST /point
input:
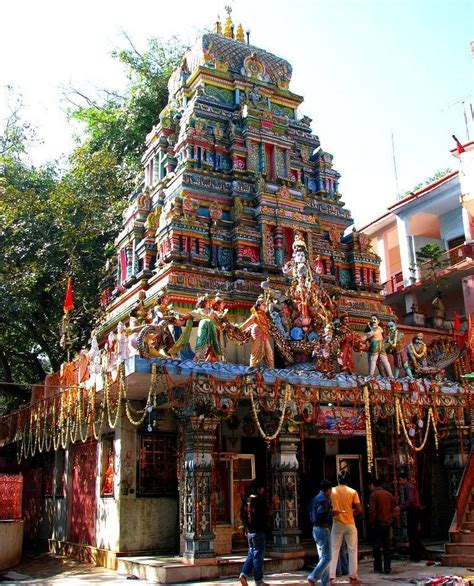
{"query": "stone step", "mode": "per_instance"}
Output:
(453, 560)
(468, 525)
(460, 548)
(469, 516)
(166, 571)
(463, 536)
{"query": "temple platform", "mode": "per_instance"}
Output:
(172, 570)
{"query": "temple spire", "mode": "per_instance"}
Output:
(218, 26)
(239, 35)
(228, 25)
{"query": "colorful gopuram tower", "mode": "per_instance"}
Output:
(232, 172)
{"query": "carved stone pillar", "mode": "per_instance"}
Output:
(196, 500)
(286, 533)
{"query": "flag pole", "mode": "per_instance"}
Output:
(68, 306)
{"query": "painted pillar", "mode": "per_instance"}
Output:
(196, 500)
(285, 532)
(382, 251)
(278, 244)
(406, 251)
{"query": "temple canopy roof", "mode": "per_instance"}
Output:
(219, 52)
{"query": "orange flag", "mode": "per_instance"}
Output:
(68, 300)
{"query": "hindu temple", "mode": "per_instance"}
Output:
(243, 336)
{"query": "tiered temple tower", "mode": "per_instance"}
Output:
(232, 171)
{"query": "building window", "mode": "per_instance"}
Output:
(157, 465)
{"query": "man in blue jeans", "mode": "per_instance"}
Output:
(321, 516)
(254, 515)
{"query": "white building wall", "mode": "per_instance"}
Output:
(451, 225)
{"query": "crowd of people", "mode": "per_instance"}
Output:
(333, 512)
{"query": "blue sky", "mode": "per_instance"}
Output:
(365, 67)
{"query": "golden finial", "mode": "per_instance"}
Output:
(240, 36)
(228, 25)
(218, 26)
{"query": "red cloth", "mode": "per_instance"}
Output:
(68, 300)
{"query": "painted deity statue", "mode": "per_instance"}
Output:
(169, 333)
(328, 352)
(259, 326)
(209, 335)
(417, 352)
(140, 314)
(175, 329)
(348, 342)
(280, 312)
(122, 342)
(95, 366)
(394, 345)
(375, 337)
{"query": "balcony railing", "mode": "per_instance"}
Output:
(453, 258)
(458, 257)
(395, 283)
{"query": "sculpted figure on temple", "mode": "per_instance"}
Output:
(328, 353)
(94, 355)
(438, 307)
(259, 326)
(111, 350)
(394, 345)
(417, 352)
(122, 342)
(298, 265)
(348, 342)
(374, 335)
(279, 312)
(208, 343)
(140, 315)
(166, 337)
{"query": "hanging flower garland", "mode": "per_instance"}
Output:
(368, 430)
(150, 402)
(286, 400)
(429, 421)
(113, 419)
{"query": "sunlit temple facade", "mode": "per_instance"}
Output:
(236, 319)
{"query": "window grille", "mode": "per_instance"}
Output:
(157, 465)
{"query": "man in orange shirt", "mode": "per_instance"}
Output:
(345, 500)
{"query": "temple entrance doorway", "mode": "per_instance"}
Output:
(322, 458)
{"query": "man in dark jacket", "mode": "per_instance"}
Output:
(321, 517)
(381, 512)
(411, 505)
(255, 518)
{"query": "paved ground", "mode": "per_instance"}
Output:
(49, 569)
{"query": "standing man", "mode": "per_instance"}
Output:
(411, 504)
(321, 516)
(381, 511)
(254, 517)
(346, 502)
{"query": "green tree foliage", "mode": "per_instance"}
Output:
(438, 175)
(432, 260)
(120, 123)
(56, 223)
